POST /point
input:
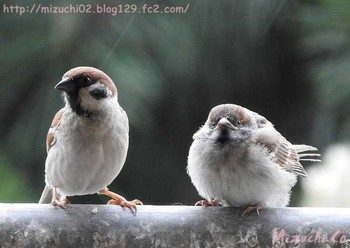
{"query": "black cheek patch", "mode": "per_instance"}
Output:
(98, 93)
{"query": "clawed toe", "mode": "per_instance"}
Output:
(126, 204)
(252, 208)
(62, 204)
(58, 200)
(204, 203)
(121, 201)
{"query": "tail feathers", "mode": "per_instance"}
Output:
(299, 170)
(46, 196)
(310, 156)
(310, 160)
(307, 156)
(304, 148)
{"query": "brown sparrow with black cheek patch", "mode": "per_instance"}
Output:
(88, 140)
(239, 159)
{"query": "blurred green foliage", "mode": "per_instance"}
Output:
(325, 45)
(13, 186)
(287, 60)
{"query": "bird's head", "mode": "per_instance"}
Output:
(228, 124)
(87, 89)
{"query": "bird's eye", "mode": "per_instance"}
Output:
(87, 81)
(214, 123)
(238, 123)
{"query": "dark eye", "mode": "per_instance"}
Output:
(87, 80)
(238, 123)
(214, 123)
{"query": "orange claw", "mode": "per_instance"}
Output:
(121, 201)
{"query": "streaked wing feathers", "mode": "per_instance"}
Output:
(286, 155)
(51, 139)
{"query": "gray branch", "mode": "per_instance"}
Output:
(32, 225)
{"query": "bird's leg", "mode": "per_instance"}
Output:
(119, 200)
(205, 203)
(252, 208)
(56, 201)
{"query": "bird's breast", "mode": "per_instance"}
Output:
(86, 158)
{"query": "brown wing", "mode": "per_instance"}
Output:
(286, 155)
(51, 139)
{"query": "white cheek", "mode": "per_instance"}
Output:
(86, 100)
(90, 103)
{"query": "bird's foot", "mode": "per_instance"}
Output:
(204, 203)
(252, 208)
(124, 203)
(121, 201)
(60, 203)
(58, 200)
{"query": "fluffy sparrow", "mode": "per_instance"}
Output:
(88, 140)
(238, 158)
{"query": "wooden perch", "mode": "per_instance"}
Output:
(33, 225)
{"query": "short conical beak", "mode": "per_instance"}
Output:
(66, 85)
(225, 123)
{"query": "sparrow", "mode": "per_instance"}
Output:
(88, 140)
(238, 158)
